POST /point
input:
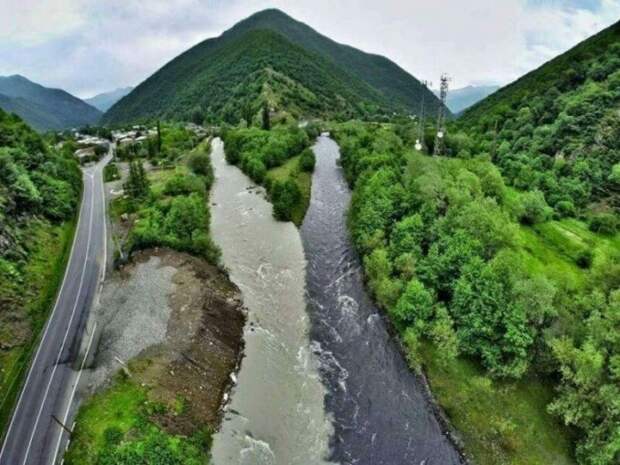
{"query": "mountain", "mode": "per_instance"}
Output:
(460, 99)
(271, 57)
(44, 108)
(557, 129)
(105, 100)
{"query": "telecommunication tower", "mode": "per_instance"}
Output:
(419, 143)
(441, 115)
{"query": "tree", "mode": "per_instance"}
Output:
(137, 184)
(491, 320)
(533, 208)
(158, 137)
(307, 161)
(266, 117)
(285, 197)
(415, 306)
(590, 368)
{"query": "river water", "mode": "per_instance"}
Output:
(276, 412)
(379, 410)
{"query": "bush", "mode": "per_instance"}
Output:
(285, 196)
(584, 259)
(200, 164)
(533, 208)
(604, 223)
(307, 161)
(565, 208)
(110, 172)
(180, 184)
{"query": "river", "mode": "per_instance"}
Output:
(378, 406)
(276, 412)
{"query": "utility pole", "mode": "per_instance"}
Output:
(441, 116)
(419, 143)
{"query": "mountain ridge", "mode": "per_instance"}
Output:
(104, 100)
(190, 85)
(45, 108)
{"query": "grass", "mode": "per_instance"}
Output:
(50, 247)
(118, 407)
(123, 425)
(291, 169)
(500, 422)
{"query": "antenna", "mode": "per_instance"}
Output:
(419, 143)
(441, 115)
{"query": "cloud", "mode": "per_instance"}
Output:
(88, 46)
(33, 21)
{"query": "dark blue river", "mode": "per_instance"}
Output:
(380, 412)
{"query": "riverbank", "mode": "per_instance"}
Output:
(171, 339)
(169, 325)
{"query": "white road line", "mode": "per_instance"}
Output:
(64, 341)
(105, 258)
(75, 386)
(47, 326)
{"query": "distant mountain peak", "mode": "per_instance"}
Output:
(44, 108)
(318, 77)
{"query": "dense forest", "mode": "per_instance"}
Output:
(476, 269)
(272, 58)
(557, 130)
(39, 192)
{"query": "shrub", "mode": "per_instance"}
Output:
(110, 172)
(307, 161)
(285, 196)
(533, 208)
(184, 184)
(200, 164)
(604, 223)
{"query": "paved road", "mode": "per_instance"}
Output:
(33, 436)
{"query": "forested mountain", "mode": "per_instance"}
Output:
(105, 100)
(44, 108)
(463, 98)
(271, 58)
(557, 129)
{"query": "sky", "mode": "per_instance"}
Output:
(92, 46)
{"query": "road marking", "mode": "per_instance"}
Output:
(64, 340)
(102, 279)
(75, 386)
(47, 326)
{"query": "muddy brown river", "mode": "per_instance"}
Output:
(276, 411)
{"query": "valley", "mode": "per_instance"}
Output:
(277, 249)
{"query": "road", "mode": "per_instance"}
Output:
(34, 437)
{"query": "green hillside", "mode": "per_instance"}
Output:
(394, 83)
(557, 129)
(39, 192)
(270, 58)
(44, 108)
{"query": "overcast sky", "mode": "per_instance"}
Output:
(90, 46)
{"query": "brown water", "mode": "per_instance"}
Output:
(276, 412)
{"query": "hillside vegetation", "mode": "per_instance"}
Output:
(43, 108)
(557, 129)
(271, 59)
(39, 192)
(493, 297)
